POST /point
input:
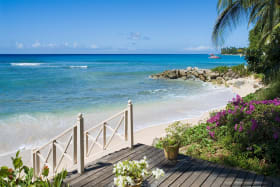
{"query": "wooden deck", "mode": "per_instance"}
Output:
(185, 172)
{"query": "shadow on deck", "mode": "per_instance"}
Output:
(186, 171)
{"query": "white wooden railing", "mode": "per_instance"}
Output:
(73, 148)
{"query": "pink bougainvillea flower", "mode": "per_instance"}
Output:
(235, 127)
(240, 128)
(212, 134)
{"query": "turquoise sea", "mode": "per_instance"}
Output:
(40, 95)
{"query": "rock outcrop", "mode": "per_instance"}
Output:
(205, 75)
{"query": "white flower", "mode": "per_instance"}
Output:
(157, 173)
(129, 181)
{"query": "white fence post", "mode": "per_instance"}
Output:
(37, 160)
(130, 122)
(74, 136)
(80, 147)
(33, 156)
(54, 156)
(87, 144)
(104, 136)
(126, 125)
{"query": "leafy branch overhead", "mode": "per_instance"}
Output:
(263, 14)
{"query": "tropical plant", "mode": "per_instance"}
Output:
(262, 14)
(132, 172)
(22, 175)
(174, 133)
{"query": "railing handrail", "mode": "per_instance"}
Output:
(104, 121)
(54, 139)
(79, 142)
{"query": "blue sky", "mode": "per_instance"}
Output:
(110, 26)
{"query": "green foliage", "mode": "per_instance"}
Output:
(262, 14)
(240, 69)
(22, 175)
(271, 92)
(221, 69)
(264, 58)
(232, 50)
(245, 135)
(174, 135)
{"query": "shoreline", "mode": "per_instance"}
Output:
(159, 130)
(146, 135)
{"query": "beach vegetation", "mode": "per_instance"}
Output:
(246, 134)
(240, 70)
(21, 175)
(264, 59)
(172, 141)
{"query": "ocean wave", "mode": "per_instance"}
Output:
(25, 64)
(83, 67)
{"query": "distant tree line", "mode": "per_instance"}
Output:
(233, 50)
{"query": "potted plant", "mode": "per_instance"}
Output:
(132, 173)
(171, 142)
(171, 147)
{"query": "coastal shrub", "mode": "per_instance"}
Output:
(245, 134)
(271, 92)
(22, 175)
(250, 130)
(174, 135)
(221, 69)
(240, 69)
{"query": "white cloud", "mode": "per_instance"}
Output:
(36, 44)
(198, 48)
(93, 46)
(51, 45)
(19, 45)
(66, 44)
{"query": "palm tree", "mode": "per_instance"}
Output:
(263, 14)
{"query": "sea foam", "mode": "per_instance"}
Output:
(83, 67)
(25, 64)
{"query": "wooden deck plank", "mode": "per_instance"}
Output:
(267, 182)
(258, 181)
(240, 178)
(165, 165)
(173, 174)
(152, 159)
(231, 177)
(88, 175)
(94, 180)
(196, 174)
(187, 171)
(221, 177)
(249, 179)
(213, 176)
(97, 165)
(205, 174)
